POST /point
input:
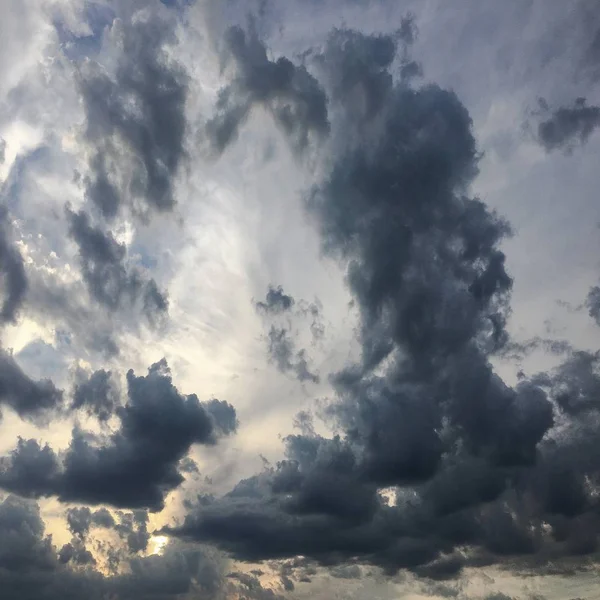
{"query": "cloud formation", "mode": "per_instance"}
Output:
(276, 301)
(32, 567)
(135, 119)
(281, 342)
(96, 394)
(12, 273)
(137, 466)
(288, 91)
(107, 279)
(478, 468)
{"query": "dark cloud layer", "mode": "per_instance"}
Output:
(567, 126)
(137, 466)
(135, 120)
(105, 274)
(287, 91)
(12, 273)
(34, 400)
(471, 462)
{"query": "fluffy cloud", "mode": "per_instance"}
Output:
(423, 412)
(137, 466)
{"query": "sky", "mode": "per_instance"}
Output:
(299, 299)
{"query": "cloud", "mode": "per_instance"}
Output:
(276, 301)
(96, 394)
(81, 519)
(568, 125)
(593, 303)
(291, 95)
(104, 272)
(480, 470)
(281, 342)
(137, 466)
(287, 359)
(12, 274)
(135, 119)
(33, 400)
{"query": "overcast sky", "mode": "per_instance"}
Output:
(299, 299)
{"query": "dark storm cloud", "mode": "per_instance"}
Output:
(276, 301)
(12, 273)
(475, 464)
(135, 120)
(567, 126)
(135, 467)
(293, 96)
(28, 398)
(96, 394)
(104, 272)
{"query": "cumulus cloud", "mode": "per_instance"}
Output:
(137, 466)
(423, 411)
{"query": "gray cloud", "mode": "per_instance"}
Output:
(66, 308)
(137, 151)
(593, 303)
(138, 465)
(281, 343)
(81, 519)
(276, 301)
(76, 552)
(12, 274)
(568, 125)
(30, 399)
(103, 269)
(287, 91)
(474, 463)
(283, 353)
(96, 394)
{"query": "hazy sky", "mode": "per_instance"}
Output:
(299, 299)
